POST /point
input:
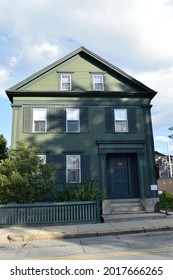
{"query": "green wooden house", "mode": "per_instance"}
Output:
(93, 121)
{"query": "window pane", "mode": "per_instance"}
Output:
(73, 176)
(43, 158)
(98, 79)
(39, 126)
(120, 114)
(73, 171)
(72, 114)
(121, 126)
(121, 123)
(39, 114)
(72, 126)
(98, 86)
(98, 82)
(66, 82)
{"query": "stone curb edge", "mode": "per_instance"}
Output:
(63, 235)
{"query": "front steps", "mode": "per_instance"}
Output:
(127, 210)
(126, 206)
(118, 218)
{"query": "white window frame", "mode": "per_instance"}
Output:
(66, 82)
(95, 82)
(74, 168)
(72, 114)
(121, 122)
(40, 118)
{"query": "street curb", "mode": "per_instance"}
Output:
(62, 235)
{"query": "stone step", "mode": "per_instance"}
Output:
(117, 218)
(128, 200)
(127, 208)
(126, 205)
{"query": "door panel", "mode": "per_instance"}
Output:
(119, 176)
(122, 176)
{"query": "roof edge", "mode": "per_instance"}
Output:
(72, 54)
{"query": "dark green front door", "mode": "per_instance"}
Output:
(123, 178)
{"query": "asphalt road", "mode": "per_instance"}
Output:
(141, 246)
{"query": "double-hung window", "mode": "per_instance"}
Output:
(65, 81)
(121, 121)
(98, 83)
(73, 169)
(39, 120)
(42, 158)
(72, 120)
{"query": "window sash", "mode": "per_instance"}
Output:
(72, 120)
(121, 121)
(43, 158)
(98, 82)
(65, 82)
(73, 169)
(39, 120)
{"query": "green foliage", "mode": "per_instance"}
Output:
(24, 178)
(3, 147)
(80, 192)
(166, 201)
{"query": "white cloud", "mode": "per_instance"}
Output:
(134, 35)
(4, 80)
(40, 53)
(161, 138)
(162, 82)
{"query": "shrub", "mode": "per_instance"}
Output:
(24, 178)
(80, 192)
(166, 201)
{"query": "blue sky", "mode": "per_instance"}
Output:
(134, 35)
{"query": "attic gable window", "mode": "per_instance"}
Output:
(121, 121)
(39, 120)
(65, 81)
(98, 83)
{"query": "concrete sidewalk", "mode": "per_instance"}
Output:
(28, 233)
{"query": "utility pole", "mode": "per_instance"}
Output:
(169, 159)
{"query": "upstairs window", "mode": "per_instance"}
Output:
(72, 120)
(39, 120)
(121, 122)
(73, 169)
(98, 84)
(65, 82)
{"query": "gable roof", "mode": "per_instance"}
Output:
(81, 50)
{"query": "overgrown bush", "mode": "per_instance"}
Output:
(80, 192)
(24, 178)
(166, 201)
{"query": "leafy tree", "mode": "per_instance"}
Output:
(24, 178)
(3, 147)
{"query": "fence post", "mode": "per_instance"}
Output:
(98, 208)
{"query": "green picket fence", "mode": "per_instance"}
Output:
(58, 213)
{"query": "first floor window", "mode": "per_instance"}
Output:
(42, 158)
(121, 122)
(73, 169)
(72, 120)
(39, 120)
(98, 82)
(65, 81)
